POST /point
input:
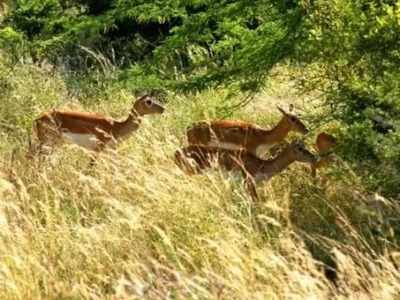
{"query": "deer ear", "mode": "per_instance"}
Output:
(140, 94)
(281, 110)
(141, 97)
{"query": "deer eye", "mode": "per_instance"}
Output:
(148, 102)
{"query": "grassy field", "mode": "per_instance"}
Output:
(136, 227)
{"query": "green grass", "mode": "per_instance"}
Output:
(136, 227)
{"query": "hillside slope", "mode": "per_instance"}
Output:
(136, 227)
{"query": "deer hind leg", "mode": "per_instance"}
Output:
(48, 137)
(201, 134)
(33, 142)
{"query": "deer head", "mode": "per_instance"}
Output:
(147, 105)
(300, 152)
(295, 123)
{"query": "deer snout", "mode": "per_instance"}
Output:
(303, 129)
(313, 159)
(307, 157)
(160, 108)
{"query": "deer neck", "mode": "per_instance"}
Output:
(124, 128)
(278, 133)
(278, 164)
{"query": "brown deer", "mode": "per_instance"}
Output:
(89, 130)
(195, 158)
(235, 135)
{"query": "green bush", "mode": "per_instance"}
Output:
(189, 45)
(349, 50)
(353, 48)
(12, 42)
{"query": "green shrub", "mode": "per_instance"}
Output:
(188, 46)
(12, 42)
(353, 50)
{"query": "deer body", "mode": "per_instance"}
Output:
(236, 135)
(91, 130)
(195, 158)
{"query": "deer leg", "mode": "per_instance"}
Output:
(249, 181)
(96, 153)
(250, 186)
(185, 163)
(93, 160)
(49, 136)
(313, 169)
(34, 148)
(37, 150)
(102, 140)
(322, 162)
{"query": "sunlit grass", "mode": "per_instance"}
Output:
(135, 226)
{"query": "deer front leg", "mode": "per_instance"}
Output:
(186, 164)
(95, 155)
(250, 186)
(322, 162)
(313, 168)
(103, 139)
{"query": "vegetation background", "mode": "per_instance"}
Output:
(136, 226)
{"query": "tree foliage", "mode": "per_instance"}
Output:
(348, 49)
(356, 46)
(189, 45)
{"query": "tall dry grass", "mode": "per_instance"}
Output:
(136, 227)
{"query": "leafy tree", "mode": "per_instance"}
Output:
(355, 48)
(348, 49)
(181, 44)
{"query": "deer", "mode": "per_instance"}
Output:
(92, 131)
(235, 134)
(324, 143)
(193, 159)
